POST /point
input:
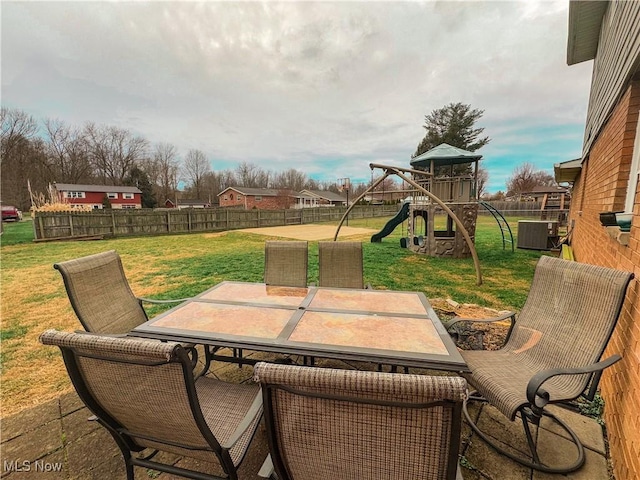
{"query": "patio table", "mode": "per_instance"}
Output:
(378, 326)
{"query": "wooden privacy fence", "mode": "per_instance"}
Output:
(120, 223)
(521, 209)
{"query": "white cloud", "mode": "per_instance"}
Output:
(293, 83)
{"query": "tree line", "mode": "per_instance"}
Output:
(51, 150)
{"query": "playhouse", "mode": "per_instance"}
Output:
(453, 178)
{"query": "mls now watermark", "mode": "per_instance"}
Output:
(30, 466)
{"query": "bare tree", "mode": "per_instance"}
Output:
(525, 177)
(196, 166)
(67, 152)
(21, 155)
(483, 179)
(166, 166)
(213, 183)
(114, 151)
(291, 179)
(284, 198)
(17, 127)
(312, 184)
(252, 176)
(358, 189)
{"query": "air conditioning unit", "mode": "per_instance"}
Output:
(537, 235)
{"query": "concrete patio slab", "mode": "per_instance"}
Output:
(589, 431)
(58, 434)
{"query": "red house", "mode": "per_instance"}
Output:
(93, 195)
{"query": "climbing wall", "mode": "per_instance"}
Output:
(442, 243)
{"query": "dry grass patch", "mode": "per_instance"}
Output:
(31, 372)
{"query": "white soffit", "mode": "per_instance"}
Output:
(585, 19)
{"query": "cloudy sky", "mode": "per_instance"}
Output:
(325, 88)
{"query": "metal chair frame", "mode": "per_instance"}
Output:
(126, 440)
(532, 412)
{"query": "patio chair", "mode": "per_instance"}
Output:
(340, 265)
(285, 263)
(144, 393)
(103, 300)
(552, 352)
(347, 424)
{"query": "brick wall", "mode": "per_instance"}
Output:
(601, 187)
(249, 202)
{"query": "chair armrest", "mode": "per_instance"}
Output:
(254, 410)
(512, 315)
(153, 300)
(538, 397)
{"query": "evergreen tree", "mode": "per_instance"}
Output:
(453, 124)
(139, 178)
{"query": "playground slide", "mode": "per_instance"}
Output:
(399, 217)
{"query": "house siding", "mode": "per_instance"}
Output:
(601, 187)
(615, 62)
(96, 198)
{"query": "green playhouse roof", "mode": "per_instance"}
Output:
(444, 154)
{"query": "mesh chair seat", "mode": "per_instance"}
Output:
(224, 405)
(100, 294)
(340, 264)
(285, 263)
(102, 298)
(353, 425)
(502, 380)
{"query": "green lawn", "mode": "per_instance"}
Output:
(176, 266)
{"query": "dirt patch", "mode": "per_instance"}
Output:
(470, 335)
(214, 235)
(309, 232)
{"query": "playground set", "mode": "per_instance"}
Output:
(444, 183)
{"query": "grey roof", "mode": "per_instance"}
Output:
(327, 195)
(305, 195)
(71, 187)
(444, 154)
(585, 19)
(567, 171)
(264, 192)
(191, 201)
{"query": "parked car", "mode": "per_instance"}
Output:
(11, 213)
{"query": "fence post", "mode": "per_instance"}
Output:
(113, 223)
(168, 222)
(227, 218)
(258, 217)
(189, 220)
(71, 224)
(41, 224)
